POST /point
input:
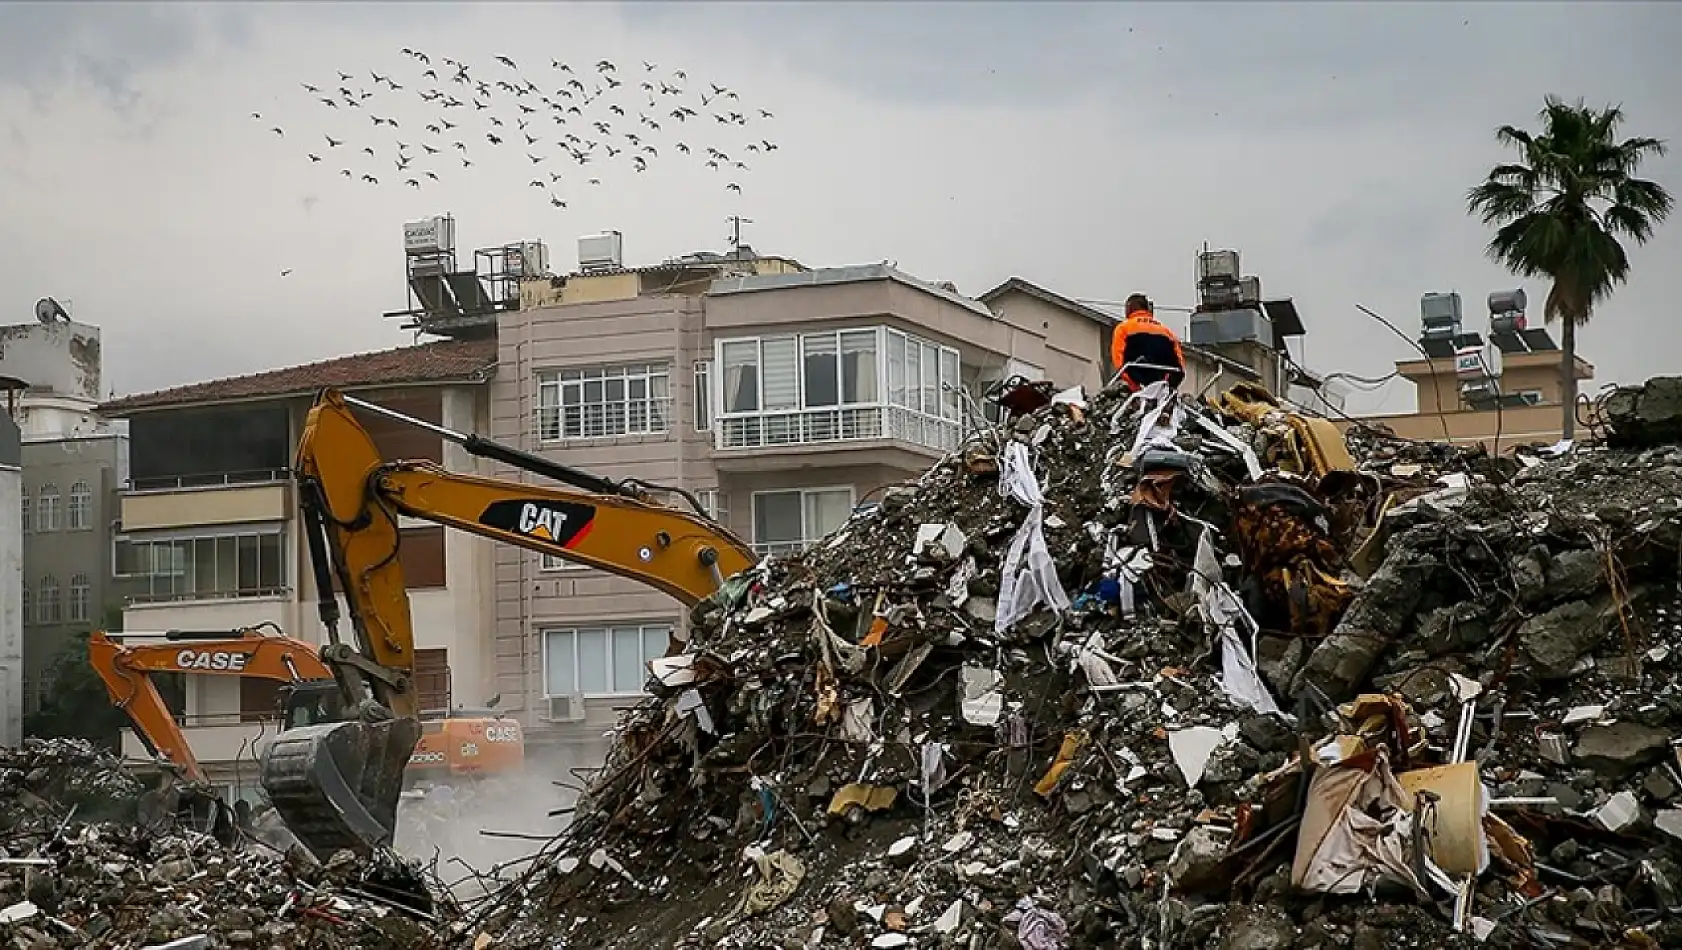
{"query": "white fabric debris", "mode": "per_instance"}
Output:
(1028, 577)
(983, 702)
(1223, 610)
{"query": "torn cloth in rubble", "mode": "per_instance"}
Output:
(1222, 610)
(1280, 531)
(1354, 830)
(780, 874)
(1037, 928)
(1029, 575)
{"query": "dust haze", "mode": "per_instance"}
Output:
(443, 828)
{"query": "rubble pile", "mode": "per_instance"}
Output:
(79, 869)
(1150, 671)
(43, 780)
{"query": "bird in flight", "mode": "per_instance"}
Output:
(506, 62)
(733, 187)
(278, 132)
(286, 272)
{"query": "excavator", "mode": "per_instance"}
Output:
(451, 747)
(335, 775)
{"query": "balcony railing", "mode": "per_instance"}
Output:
(839, 425)
(780, 548)
(188, 596)
(259, 476)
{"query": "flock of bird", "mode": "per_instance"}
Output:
(449, 118)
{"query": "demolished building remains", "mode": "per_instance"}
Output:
(1125, 671)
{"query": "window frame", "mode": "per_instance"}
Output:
(236, 534)
(704, 409)
(28, 512)
(79, 510)
(81, 596)
(660, 628)
(49, 514)
(48, 610)
(550, 411)
(805, 529)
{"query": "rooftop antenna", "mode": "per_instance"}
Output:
(736, 221)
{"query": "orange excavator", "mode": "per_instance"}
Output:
(335, 774)
(451, 748)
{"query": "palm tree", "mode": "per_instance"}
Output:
(1561, 209)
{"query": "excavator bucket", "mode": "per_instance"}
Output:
(336, 784)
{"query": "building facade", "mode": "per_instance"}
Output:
(11, 584)
(782, 397)
(1502, 389)
(211, 535)
(72, 462)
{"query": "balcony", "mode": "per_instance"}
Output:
(895, 430)
(214, 738)
(228, 498)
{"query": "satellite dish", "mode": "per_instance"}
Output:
(47, 310)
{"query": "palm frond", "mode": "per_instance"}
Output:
(1495, 201)
(1648, 198)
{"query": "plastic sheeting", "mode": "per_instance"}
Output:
(1221, 607)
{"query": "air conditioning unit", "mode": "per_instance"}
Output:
(566, 708)
(528, 259)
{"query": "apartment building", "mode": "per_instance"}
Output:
(11, 581)
(1504, 388)
(211, 534)
(783, 397)
(71, 463)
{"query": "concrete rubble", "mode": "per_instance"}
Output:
(1243, 686)
(78, 868)
(1154, 671)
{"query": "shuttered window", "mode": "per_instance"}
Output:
(432, 679)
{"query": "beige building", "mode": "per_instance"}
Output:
(210, 530)
(1504, 392)
(784, 397)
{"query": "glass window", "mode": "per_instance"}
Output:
(28, 604)
(777, 517)
(229, 565)
(931, 380)
(46, 509)
(858, 366)
(79, 594)
(703, 395)
(81, 504)
(47, 610)
(896, 368)
(787, 520)
(28, 510)
(606, 660)
(603, 402)
(741, 375)
(821, 373)
(951, 391)
(780, 361)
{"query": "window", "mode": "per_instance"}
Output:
(601, 402)
(787, 521)
(46, 509)
(259, 699)
(28, 604)
(28, 514)
(838, 385)
(225, 565)
(81, 507)
(47, 610)
(603, 660)
(432, 679)
(712, 502)
(703, 395)
(78, 598)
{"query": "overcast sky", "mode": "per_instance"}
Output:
(1089, 148)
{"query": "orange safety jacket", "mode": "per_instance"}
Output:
(1141, 339)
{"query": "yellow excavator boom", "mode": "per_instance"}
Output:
(337, 784)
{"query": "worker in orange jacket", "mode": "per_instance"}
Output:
(1144, 350)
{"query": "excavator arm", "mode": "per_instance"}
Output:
(337, 784)
(126, 670)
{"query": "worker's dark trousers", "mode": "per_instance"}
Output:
(1139, 377)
